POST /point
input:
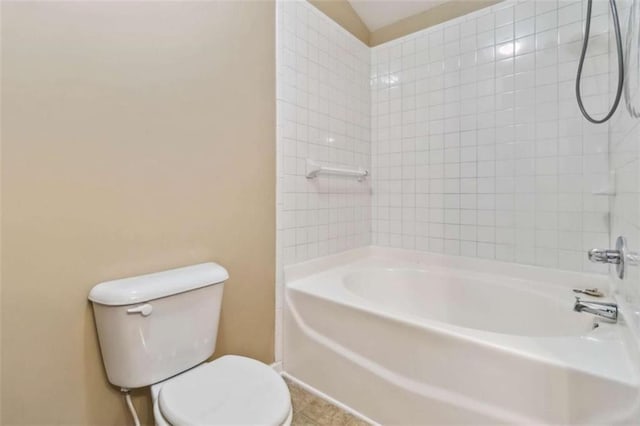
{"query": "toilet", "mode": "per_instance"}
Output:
(158, 330)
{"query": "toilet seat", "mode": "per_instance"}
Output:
(230, 390)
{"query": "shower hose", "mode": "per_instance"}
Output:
(585, 44)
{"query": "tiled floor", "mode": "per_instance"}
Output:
(309, 410)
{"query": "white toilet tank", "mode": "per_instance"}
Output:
(154, 326)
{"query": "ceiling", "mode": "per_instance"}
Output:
(380, 13)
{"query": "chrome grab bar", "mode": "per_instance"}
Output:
(314, 169)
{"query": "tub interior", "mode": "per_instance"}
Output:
(477, 303)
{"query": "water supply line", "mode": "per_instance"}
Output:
(132, 409)
(585, 43)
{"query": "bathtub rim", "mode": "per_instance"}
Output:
(562, 277)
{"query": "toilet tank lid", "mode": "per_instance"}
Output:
(142, 288)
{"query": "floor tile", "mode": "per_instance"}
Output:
(310, 410)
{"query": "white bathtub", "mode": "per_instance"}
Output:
(408, 338)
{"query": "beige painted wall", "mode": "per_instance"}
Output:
(342, 13)
(434, 16)
(136, 136)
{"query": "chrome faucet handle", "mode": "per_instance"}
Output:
(605, 256)
(620, 256)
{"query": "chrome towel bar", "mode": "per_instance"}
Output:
(314, 169)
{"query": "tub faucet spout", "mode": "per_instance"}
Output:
(602, 309)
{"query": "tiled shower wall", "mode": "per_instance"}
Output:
(478, 146)
(625, 164)
(323, 104)
(472, 132)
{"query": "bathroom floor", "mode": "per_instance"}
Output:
(309, 410)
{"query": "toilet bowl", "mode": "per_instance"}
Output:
(232, 390)
(158, 329)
